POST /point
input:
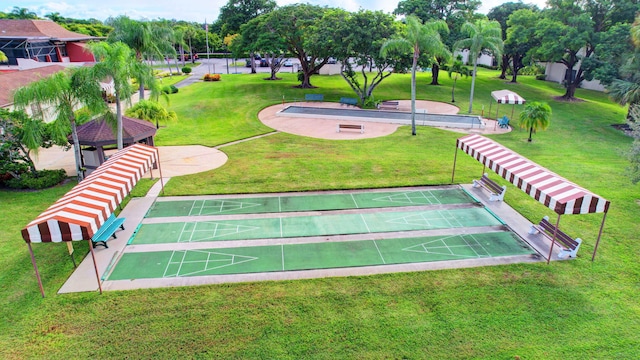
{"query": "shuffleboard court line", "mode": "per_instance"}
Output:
(431, 198)
(455, 219)
(281, 228)
(448, 248)
(279, 204)
(184, 226)
(184, 255)
(443, 214)
(365, 223)
(166, 268)
(379, 253)
(354, 201)
(193, 205)
(471, 246)
(479, 243)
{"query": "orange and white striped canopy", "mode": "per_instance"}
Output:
(555, 192)
(81, 212)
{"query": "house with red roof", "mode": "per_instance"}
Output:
(35, 43)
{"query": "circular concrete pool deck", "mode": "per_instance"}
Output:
(326, 128)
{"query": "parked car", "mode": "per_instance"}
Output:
(332, 60)
(288, 63)
(257, 60)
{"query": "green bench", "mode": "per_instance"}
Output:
(107, 231)
(313, 97)
(348, 101)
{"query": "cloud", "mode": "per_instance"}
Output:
(195, 10)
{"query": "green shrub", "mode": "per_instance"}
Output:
(41, 180)
(170, 89)
(541, 77)
(186, 70)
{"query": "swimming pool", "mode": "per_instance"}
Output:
(397, 117)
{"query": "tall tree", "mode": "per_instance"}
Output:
(293, 24)
(417, 38)
(117, 62)
(616, 62)
(358, 38)
(454, 12)
(521, 40)
(63, 93)
(146, 39)
(536, 115)
(256, 37)
(483, 36)
(236, 13)
(501, 14)
(566, 35)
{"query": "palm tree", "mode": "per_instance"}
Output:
(625, 92)
(418, 38)
(536, 115)
(117, 62)
(482, 36)
(22, 13)
(145, 38)
(457, 68)
(63, 93)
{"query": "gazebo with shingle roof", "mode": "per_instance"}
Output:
(98, 133)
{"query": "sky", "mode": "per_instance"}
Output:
(193, 10)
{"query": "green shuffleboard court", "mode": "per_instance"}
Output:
(324, 255)
(304, 226)
(276, 204)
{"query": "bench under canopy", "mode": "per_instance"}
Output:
(557, 193)
(84, 209)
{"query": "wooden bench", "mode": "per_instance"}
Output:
(496, 191)
(348, 101)
(568, 246)
(389, 105)
(351, 127)
(107, 231)
(313, 97)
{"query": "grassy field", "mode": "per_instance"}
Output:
(574, 309)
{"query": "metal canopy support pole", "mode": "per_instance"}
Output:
(95, 266)
(455, 159)
(35, 267)
(599, 236)
(160, 170)
(553, 240)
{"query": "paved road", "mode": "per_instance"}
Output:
(219, 66)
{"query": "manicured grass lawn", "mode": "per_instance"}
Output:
(170, 80)
(573, 309)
